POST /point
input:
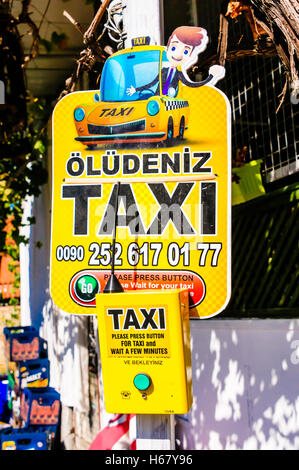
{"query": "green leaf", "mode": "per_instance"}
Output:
(57, 38)
(22, 163)
(39, 145)
(47, 44)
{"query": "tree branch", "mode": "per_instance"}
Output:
(95, 22)
(91, 54)
(24, 17)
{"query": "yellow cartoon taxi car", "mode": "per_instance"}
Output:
(116, 116)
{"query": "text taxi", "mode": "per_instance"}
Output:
(132, 105)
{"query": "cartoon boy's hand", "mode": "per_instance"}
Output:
(131, 90)
(218, 73)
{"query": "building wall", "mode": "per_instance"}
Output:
(245, 386)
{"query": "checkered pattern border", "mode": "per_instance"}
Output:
(175, 104)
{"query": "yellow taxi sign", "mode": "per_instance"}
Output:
(145, 351)
(172, 157)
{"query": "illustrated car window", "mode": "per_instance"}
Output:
(138, 69)
(172, 92)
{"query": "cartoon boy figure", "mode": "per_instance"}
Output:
(183, 48)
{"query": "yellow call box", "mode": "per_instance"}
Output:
(145, 351)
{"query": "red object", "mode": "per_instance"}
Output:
(7, 278)
(131, 280)
(116, 435)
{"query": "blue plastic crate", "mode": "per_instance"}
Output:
(9, 330)
(5, 412)
(24, 343)
(24, 439)
(40, 406)
(34, 373)
(3, 393)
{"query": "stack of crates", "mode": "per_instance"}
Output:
(35, 416)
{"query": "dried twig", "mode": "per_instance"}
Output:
(91, 54)
(279, 20)
(74, 22)
(95, 22)
(24, 17)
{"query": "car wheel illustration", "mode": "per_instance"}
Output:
(169, 132)
(182, 128)
(91, 146)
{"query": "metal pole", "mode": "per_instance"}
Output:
(155, 432)
(145, 18)
(114, 227)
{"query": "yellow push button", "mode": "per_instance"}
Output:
(142, 382)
